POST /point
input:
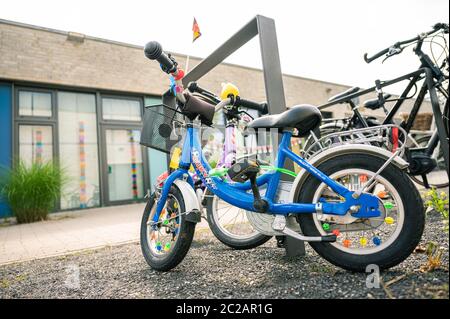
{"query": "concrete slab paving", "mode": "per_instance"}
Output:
(70, 231)
(73, 231)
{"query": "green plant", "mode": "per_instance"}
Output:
(439, 202)
(31, 190)
(434, 260)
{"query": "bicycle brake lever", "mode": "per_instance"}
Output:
(394, 50)
(244, 112)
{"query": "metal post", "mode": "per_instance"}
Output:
(273, 79)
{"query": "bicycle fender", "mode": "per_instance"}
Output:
(191, 203)
(341, 150)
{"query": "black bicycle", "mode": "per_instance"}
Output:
(427, 155)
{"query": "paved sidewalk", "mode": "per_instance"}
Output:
(69, 232)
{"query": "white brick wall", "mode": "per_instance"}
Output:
(40, 55)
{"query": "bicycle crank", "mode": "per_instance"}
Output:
(279, 224)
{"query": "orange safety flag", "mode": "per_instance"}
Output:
(196, 31)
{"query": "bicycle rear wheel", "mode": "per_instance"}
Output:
(438, 176)
(446, 117)
(230, 225)
(384, 241)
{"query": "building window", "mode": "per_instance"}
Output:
(121, 109)
(35, 103)
(78, 149)
(97, 144)
(35, 143)
(125, 166)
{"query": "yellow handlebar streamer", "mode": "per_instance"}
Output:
(229, 89)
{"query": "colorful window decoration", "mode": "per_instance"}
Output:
(133, 165)
(78, 149)
(38, 146)
(124, 160)
(83, 198)
(35, 143)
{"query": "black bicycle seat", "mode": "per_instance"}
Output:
(304, 118)
(374, 104)
(344, 94)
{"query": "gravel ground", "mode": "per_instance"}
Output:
(211, 270)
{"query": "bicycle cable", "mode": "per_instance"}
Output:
(443, 47)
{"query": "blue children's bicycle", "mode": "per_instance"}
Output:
(354, 203)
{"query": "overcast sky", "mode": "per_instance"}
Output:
(320, 39)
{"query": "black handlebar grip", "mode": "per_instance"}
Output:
(376, 56)
(443, 26)
(260, 107)
(153, 51)
(263, 108)
(194, 88)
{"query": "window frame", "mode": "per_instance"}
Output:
(119, 124)
(99, 155)
(140, 100)
(34, 117)
(33, 123)
(101, 126)
(105, 178)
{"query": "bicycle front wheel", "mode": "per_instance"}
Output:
(166, 243)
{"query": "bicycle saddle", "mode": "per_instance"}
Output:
(374, 104)
(343, 94)
(304, 118)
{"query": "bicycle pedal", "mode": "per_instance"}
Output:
(243, 170)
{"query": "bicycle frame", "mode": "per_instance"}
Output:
(429, 85)
(237, 193)
(229, 147)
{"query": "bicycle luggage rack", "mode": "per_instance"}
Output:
(377, 135)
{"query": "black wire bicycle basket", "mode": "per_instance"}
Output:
(160, 126)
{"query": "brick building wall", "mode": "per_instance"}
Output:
(34, 57)
(36, 54)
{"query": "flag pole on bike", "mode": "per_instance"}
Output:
(195, 35)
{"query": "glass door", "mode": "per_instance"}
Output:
(125, 174)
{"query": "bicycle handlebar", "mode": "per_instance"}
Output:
(376, 56)
(153, 51)
(260, 107)
(398, 45)
(194, 88)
